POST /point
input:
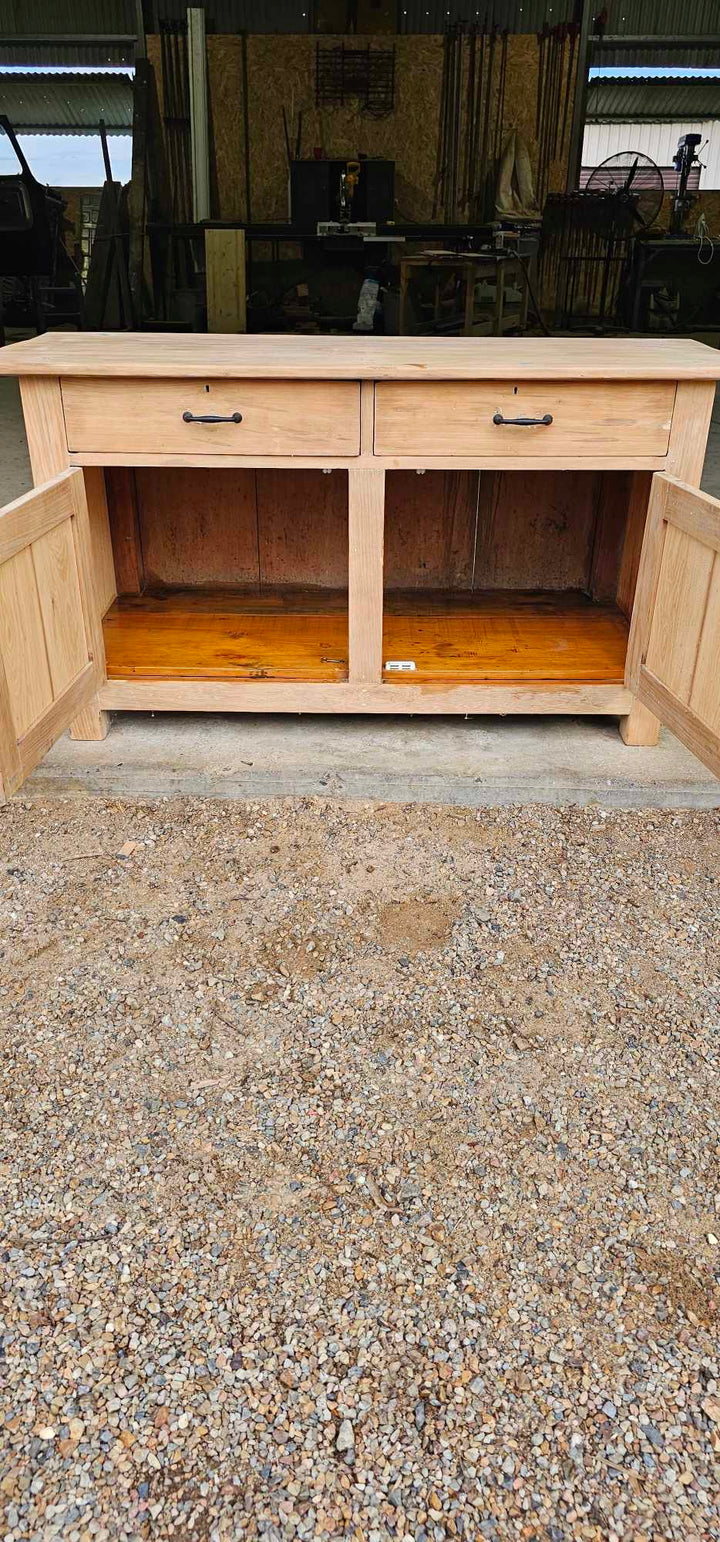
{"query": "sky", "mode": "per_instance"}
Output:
(68, 160)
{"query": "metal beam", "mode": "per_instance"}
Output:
(199, 126)
(652, 40)
(580, 98)
(51, 39)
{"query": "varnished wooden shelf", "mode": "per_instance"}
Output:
(203, 635)
(303, 635)
(504, 637)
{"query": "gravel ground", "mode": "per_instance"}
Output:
(360, 1172)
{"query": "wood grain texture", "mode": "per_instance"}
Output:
(640, 484)
(535, 531)
(35, 513)
(457, 417)
(366, 516)
(612, 504)
(430, 525)
(695, 735)
(51, 656)
(679, 611)
(122, 503)
(517, 462)
(690, 428)
(186, 638)
(225, 280)
(647, 581)
(639, 727)
(22, 642)
(10, 767)
(44, 426)
(673, 652)
(705, 690)
(34, 744)
(103, 566)
(302, 528)
(507, 638)
(311, 696)
(278, 418)
(58, 587)
(132, 354)
(92, 723)
(195, 528)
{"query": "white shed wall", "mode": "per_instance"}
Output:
(658, 140)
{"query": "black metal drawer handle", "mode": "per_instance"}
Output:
(524, 422)
(210, 417)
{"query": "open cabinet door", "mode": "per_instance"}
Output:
(51, 648)
(673, 660)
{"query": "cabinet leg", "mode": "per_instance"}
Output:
(91, 723)
(639, 727)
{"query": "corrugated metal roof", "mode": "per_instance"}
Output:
(649, 100)
(38, 103)
(50, 19)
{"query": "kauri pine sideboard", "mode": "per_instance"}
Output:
(336, 524)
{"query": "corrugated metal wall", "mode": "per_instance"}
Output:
(658, 140)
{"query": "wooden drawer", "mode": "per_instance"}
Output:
(278, 417)
(614, 418)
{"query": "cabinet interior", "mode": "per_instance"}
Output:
(242, 573)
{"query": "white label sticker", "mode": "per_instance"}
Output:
(401, 666)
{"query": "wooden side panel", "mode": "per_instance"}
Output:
(430, 529)
(675, 635)
(194, 528)
(225, 280)
(302, 528)
(58, 588)
(101, 551)
(121, 490)
(640, 483)
(613, 502)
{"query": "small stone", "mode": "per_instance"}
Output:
(345, 1437)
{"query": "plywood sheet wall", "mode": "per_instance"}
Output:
(281, 72)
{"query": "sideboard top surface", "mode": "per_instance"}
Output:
(359, 358)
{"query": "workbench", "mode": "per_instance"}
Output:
(470, 269)
(403, 525)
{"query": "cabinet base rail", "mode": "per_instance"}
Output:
(342, 696)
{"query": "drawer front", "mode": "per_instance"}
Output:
(277, 417)
(613, 418)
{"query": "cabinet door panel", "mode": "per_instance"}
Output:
(674, 647)
(51, 651)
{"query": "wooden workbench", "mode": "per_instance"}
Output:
(306, 524)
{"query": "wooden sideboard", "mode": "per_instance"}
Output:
(310, 524)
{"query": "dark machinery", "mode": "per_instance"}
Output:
(341, 190)
(32, 251)
(685, 158)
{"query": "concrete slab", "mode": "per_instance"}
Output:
(477, 762)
